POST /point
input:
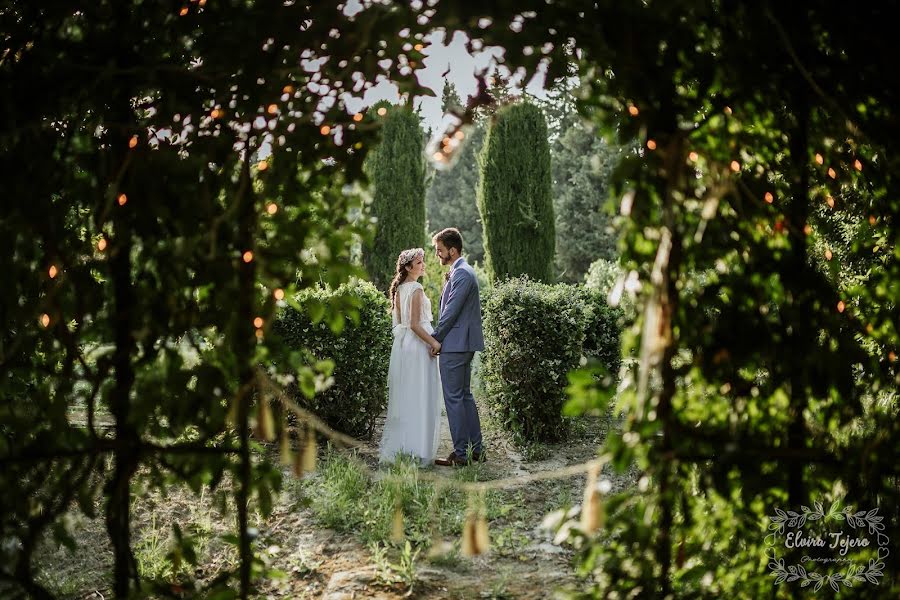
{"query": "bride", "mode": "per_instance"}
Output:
(414, 382)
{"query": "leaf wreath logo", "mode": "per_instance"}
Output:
(867, 520)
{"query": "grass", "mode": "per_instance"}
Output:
(343, 496)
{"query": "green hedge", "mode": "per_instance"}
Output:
(534, 335)
(602, 329)
(360, 350)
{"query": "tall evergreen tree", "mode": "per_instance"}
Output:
(396, 169)
(582, 165)
(451, 196)
(514, 195)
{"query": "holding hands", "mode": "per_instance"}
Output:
(435, 348)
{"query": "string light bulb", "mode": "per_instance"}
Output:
(122, 199)
(829, 201)
(633, 110)
(247, 256)
(133, 142)
(735, 166)
(832, 173)
(769, 198)
(325, 130)
(382, 111)
(279, 294)
(272, 109)
(258, 322)
(216, 113)
(262, 165)
(820, 159)
(101, 244)
(828, 254)
(358, 117)
(841, 306)
(857, 165)
(45, 320)
(288, 89)
(651, 144)
(52, 271)
(694, 156)
(272, 208)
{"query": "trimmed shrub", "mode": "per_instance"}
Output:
(602, 330)
(534, 335)
(514, 195)
(360, 351)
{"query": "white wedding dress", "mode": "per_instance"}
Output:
(414, 385)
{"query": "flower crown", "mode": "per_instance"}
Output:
(407, 256)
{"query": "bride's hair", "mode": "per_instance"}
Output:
(403, 262)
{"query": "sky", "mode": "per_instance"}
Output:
(443, 54)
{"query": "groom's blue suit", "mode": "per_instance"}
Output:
(460, 334)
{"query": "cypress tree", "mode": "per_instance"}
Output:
(396, 169)
(514, 195)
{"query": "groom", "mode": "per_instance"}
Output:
(460, 335)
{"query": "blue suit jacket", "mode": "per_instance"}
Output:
(459, 324)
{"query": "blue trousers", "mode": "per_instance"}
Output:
(462, 414)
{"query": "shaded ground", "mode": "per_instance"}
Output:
(316, 562)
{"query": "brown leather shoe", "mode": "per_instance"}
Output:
(479, 456)
(451, 461)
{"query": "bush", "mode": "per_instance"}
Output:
(361, 353)
(602, 277)
(602, 330)
(534, 335)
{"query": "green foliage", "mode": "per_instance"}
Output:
(608, 278)
(534, 335)
(119, 370)
(356, 391)
(582, 167)
(602, 275)
(757, 368)
(514, 195)
(396, 169)
(602, 330)
(450, 200)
